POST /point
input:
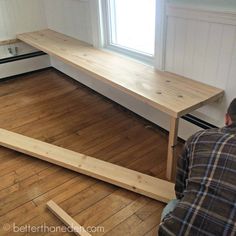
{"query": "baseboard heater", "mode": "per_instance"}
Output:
(198, 122)
(21, 57)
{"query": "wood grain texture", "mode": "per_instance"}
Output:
(66, 219)
(171, 155)
(132, 180)
(201, 45)
(9, 41)
(173, 95)
(18, 16)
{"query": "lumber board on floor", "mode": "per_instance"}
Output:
(66, 219)
(155, 188)
(174, 95)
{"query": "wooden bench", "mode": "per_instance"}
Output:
(173, 95)
(149, 186)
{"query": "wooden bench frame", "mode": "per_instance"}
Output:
(173, 95)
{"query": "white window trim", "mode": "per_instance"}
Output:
(161, 35)
(100, 33)
(96, 23)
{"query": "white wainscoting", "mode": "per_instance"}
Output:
(22, 48)
(23, 66)
(19, 16)
(201, 45)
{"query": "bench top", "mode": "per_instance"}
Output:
(169, 93)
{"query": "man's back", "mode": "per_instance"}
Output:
(206, 185)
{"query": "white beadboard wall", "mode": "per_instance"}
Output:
(201, 45)
(71, 17)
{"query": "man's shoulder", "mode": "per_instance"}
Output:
(213, 134)
(205, 134)
(211, 131)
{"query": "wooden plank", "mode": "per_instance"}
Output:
(173, 135)
(132, 180)
(9, 41)
(171, 94)
(66, 219)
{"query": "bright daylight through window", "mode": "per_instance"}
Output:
(131, 25)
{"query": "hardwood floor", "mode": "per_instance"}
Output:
(49, 106)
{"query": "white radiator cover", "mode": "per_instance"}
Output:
(24, 66)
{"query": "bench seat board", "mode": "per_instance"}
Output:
(149, 186)
(171, 94)
(9, 41)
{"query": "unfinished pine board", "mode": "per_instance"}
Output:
(137, 182)
(66, 219)
(170, 171)
(171, 94)
(9, 41)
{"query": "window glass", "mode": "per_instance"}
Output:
(132, 25)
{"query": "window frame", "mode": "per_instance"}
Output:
(107, 36)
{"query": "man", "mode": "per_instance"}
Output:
(205, 184)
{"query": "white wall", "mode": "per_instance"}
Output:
(228, 5)
(22, 48)
(71, 17)
(18, 16)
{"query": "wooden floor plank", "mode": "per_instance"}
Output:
(149, 186)
(91, 124)
(98, 212)
(33, 188)
(121, 215)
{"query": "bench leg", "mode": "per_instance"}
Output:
(173, 135)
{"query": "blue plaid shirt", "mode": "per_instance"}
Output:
(206, 186)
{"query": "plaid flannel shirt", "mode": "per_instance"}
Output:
(206, 186)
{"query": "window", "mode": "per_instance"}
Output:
(130, 26)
